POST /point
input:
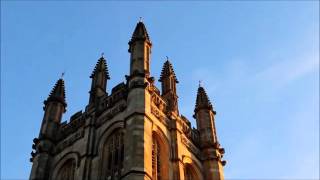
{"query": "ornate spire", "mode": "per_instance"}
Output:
(140, 50)
(202, 101)
(140, 33)
(167, 70)
(58, 93)
(101, 66)
(99, 77)
(168, 81)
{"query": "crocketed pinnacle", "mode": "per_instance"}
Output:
(167, 70)
(58, 93)
(140, 33)
(101, 66)
(202, 101)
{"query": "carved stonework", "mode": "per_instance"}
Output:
(195, 136)
(133, 132)
(71, 127)
(69, 141)
(157, 113)
(157, 100)
(118, 93)
(190, 146)
(186, 130)
(138, 84)
(110, 113)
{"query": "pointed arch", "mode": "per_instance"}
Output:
(66, 166)
(114, 125)
(67, 170)
(190, 173)
(192, 169)
(112, 155)
(160, 157)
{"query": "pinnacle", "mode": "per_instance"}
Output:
(58, 93)
(167, 70)
(140, 33)
(101, 66)
(202, 101)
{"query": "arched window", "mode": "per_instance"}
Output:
(66, 172)
(160, 158)
(156, 161)
(113, 152)
(190, 173)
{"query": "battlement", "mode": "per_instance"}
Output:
(118, 93)
(133, 132)
(77, 120)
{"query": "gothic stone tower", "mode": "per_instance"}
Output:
(133, 133)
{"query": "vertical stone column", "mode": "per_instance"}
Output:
(40, 167)
(54, 107)
(213, 168)
(138, 136)
(211, 151)
(176, 164)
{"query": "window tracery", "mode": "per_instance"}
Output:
(66, 172)
(156, 162)
(113, 156)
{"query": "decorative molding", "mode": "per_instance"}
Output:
(68, 128)
(118, 93)
(157, 113)
(138, 84)
(69, 141)
(110, 113)
(191, 146)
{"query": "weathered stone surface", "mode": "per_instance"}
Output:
(135, 133)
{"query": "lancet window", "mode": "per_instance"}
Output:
(113, 156)
(189, 173)
(66, 172)
(156, 162)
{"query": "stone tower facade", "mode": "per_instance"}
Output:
(134, 133)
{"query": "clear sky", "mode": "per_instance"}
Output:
(258, 61)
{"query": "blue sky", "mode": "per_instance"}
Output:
(258, 61)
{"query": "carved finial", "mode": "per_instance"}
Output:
(62, 74)
(102, 54)
(202, 101)
(140, 19)
(167, 58)
(200, 83)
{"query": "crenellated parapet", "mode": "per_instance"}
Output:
(76, 121)
(118, 93)
(191, 133)
(134, 132)
(157, 100)
(68, 140)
